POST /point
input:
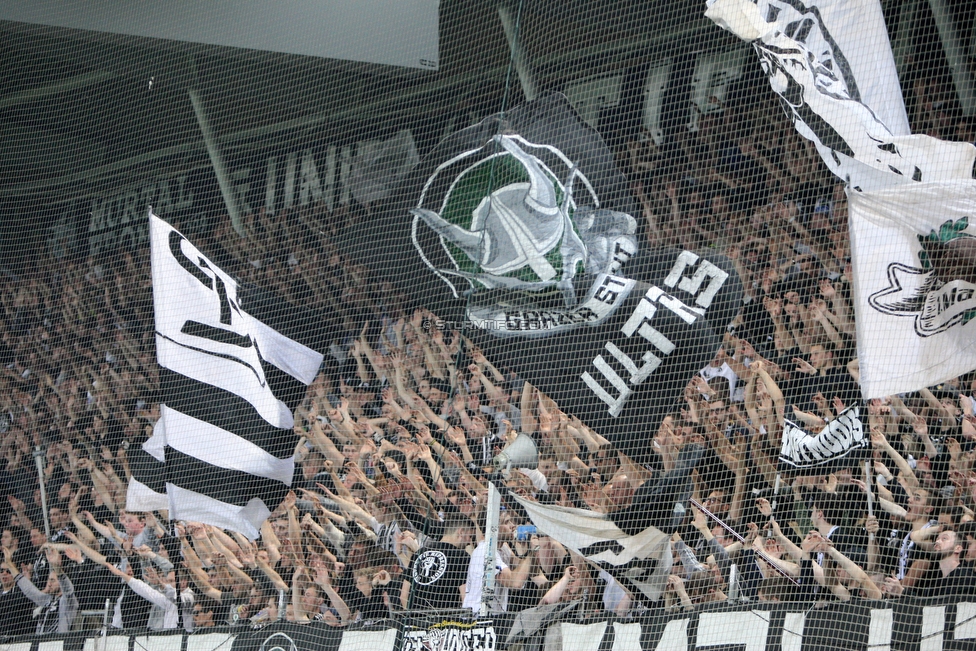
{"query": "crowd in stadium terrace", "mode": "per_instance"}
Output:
(401, 433)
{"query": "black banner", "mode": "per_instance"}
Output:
(521, 231)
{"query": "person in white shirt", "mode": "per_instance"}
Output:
(165, 613)
(505, 577)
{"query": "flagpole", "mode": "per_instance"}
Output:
(38, 455)
(775, 492)
(742, 540)
(867, 486)
(491, 549)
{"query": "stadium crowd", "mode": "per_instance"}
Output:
(388, 506)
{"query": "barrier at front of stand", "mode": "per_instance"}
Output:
(857, 626)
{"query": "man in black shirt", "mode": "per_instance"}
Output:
(826, 514)
(949, 576)
(821, 375)
(438, 571)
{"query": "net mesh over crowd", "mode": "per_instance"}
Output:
(463, 326)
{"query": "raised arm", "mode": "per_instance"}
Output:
(879, 441)
(936, 405)
(264, 565)
(298, 608)
(84, 532)
(85, 549)
(322, 580)
(870, 588)
(271, 542)
(779, 403)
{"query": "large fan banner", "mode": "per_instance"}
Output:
(520, 231)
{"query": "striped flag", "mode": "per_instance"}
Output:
(640, 562)
(233, 369)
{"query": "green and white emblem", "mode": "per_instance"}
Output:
(507, 217)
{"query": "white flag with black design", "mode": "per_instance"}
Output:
(849, 39)
(914, 252)
(229, 382)
(831, 65)
(641, 563)
(843, 443)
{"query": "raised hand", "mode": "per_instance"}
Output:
(920, 426)
(871, 524)
(764, 506)
(753, 532)
(838, 404)
(878, 439)
(53, 556)
(827, 289)
(803, 366)
(144, 551)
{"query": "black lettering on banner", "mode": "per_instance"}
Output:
(620, 256)
(605, 294)
(175, 239)
(602, 546)
(219, 335)
(195, 269)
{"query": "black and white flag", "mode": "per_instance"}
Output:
(910, 196)
(147, 486)
(520, 231)
(842, 443)
(229, 382)
(915, 280)
(831, 65)
(641, 563)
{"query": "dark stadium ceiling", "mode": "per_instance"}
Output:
(73, 102)
(76, 104)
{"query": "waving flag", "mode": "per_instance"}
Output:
(912, 198)
(842, 443)
(832, 67)
(229, 383)
(640, 562)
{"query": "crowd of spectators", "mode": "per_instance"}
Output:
(389, 499)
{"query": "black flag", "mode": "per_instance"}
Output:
(521, 231)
